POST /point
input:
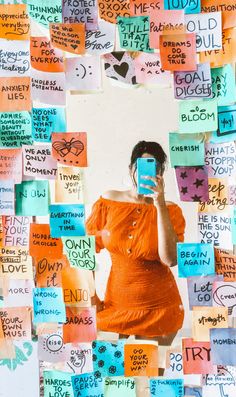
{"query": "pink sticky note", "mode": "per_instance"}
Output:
(148, 69)
(165, 22)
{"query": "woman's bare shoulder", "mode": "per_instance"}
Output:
(113, 195)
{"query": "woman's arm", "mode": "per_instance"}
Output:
(167, 237)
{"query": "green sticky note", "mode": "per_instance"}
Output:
(32, 198)
(186, 149)
(134, 33)
(198, 116)
(223, 85)
(118, 386)
(45, 12)
(57, 383)
(80, 251)
(15, 129)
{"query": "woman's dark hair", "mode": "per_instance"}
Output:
(152, 148)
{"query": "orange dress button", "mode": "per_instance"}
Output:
(139, 210)
(134, 223)
(129, 250)
(130, 236)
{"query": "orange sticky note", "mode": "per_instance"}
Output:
(49, 270)
(11, 164)
(44, 57)
(42, 244)
(16, 323)
(178, 52)
(226, 55)
(15, 94)
(225, 264)
(218, 196)
(76, 284)
(141, 360)
(70, 148)
(68, 37)
(14, 22)
(80, 325)
(109, 10)
(144, 7)
(227, 9)
(197, 357)
(204, 318)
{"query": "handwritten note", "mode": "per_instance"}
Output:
(174, 363)
(80, 358)
(215, 229)
(88, 385)
(101, 40)
(42, 244)
(81, 251)
(16, 323)
(15, 128)
(120, 386)
(141, 360)
(80, 325)
(195, 259)
(227, 10)
(70, 148)
(51, 347)
(205, 318)
(197, 357)
(48, 305)
(7, 197)
(164, 21)
(197, 84)
(49, 271)
(134, 33)
(192, 183)
(11, 165)
(232, 195)
(208, 29)
(15, 94)
(38, 162)
(226, 55)
(84, 12)
(186, 150)
(83, 73)
(222, 342)
(144, 7)
(220, 159)
(224, 295)
(16, 230)
(76, 287)
(148, 70)
(44, 57)
(223, 85)
(15, 263)
(178, 52)
(32, 198)
(14, 58)
(14, 22)
(19, 293)
(218, 196)
(45, 13)
(67, 220)
(57, 383)
(48, 88)
(189, 6)
(109, 10)
(225, 264)
(45, 121)
(69, 37)
(227, 121)
(164, 387)
(110, 355)
(69, 186)
(200, 290)
(198, 116)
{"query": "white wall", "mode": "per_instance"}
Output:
(115, 121)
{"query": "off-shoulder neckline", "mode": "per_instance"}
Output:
(132, 203)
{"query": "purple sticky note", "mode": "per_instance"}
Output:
(200, 289)
(191, 85)
(223, 342)
(192, 183)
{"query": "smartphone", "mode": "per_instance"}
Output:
(145, 167)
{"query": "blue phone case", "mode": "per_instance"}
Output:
(145, 166)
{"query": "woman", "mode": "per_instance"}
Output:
(141, 233)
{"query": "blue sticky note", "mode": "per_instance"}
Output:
(189, 6)
(195, 259)
(223, 341)
(217, 137)
(32, 198)
(67, 220)
(195, 391)
(45, 121)
(108, 358)
(223, 84)
(88, 385)
(200, 290)
(163, 387)
(7, 197)
(48, 305)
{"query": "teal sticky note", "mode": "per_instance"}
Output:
(120, 386)
(223, 84)
(108, 358)
(163, 387)
(189, 6)
(134, 33)
(227, 120)
(198, 116)
(45, 12)
(57, 383)
(217, 137)
(32, 198)
(186, 149)
(48, 305)
(45, 121)
(15, 129)
(233, 221)
(195, 259)
(67, 220)
(88, 385)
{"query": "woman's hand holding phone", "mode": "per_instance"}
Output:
(158, 194)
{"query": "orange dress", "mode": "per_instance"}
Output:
(141, 297)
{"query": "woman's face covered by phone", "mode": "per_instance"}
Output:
(133, 168)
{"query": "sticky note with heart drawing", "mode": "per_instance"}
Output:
(120, 66)
(70, 148)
